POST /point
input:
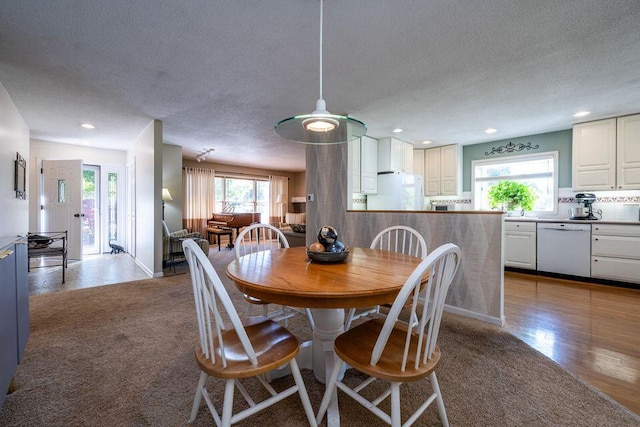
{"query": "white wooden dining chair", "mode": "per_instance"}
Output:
(397, 238)
(390, 351)
(252, 347)
(264, 237)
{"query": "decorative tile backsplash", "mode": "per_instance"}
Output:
(612, 205)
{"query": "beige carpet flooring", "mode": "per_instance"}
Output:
(122, 355)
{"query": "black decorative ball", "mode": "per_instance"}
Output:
(327, 235)
(336, 246)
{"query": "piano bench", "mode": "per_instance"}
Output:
(218, 232)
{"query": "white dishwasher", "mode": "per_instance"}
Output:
(564, 248)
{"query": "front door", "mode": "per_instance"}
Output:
(62, 201)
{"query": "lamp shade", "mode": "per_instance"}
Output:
(166, 196)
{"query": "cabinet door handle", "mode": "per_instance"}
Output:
(595, 260)
(596, 239)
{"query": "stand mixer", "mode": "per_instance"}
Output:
(585, 212)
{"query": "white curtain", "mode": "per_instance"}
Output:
(199, 198)
(279, 196)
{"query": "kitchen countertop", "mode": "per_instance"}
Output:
(566, 220)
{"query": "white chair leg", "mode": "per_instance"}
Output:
(436, 389)
(198, 397)
(312, 324)
(302, 391)
(227, 409)
(330, 388)
(347, 322)
(396, 410)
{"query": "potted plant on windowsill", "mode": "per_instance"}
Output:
(511, 195)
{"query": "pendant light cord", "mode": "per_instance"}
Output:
(321, 9)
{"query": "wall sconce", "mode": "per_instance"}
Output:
(166, 196)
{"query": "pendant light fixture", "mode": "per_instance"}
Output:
(320, 127)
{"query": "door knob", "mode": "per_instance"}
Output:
(78, 215)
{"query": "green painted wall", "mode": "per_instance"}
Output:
(559, 141)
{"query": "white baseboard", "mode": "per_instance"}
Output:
(145, 269)
(483, 317)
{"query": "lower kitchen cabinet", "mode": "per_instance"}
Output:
(520, 244)
(615, 252)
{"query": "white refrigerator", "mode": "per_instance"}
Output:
(397, 191)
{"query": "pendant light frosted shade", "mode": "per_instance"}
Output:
(320, 127)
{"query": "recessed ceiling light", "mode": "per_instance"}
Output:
(582, 113)
(88, 126)
(427, 142)
(397, 130)
(491, 130)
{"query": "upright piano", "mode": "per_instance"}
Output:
(233, 220)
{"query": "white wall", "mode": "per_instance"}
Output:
(14, 138)
(172, 180)
(146, 153)
(44, 150)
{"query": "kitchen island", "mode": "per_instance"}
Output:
(478, 289)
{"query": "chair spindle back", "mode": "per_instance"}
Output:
(210, 296)
(420, 341)
(259, 237)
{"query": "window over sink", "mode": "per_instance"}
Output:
(538, 171)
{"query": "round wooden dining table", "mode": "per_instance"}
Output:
(368, 277)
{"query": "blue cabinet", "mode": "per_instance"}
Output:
(14, 311)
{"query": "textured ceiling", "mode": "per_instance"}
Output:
(220, 74)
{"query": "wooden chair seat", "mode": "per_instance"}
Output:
(356, 345)
(274, 345)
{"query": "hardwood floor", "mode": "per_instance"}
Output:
(591, 330)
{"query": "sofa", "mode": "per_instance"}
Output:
(294, 229)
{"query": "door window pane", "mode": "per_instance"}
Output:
(62, 191)
(112, 209)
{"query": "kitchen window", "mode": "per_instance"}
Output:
(538, 171)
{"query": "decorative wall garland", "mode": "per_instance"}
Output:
(511, 147)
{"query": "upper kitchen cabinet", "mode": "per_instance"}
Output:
(369, 162)
(628, 152)
(443, 170)
(363, 165)
(354, 165)
(395, 155)
(606, 154)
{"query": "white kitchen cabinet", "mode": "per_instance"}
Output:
(363, 165)
(615, 252)
(418, 162)
(353, 154)
(369, 165)
(628, 152)
(442, 171)
(520, 244)
(606, 154)
(395, 155)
